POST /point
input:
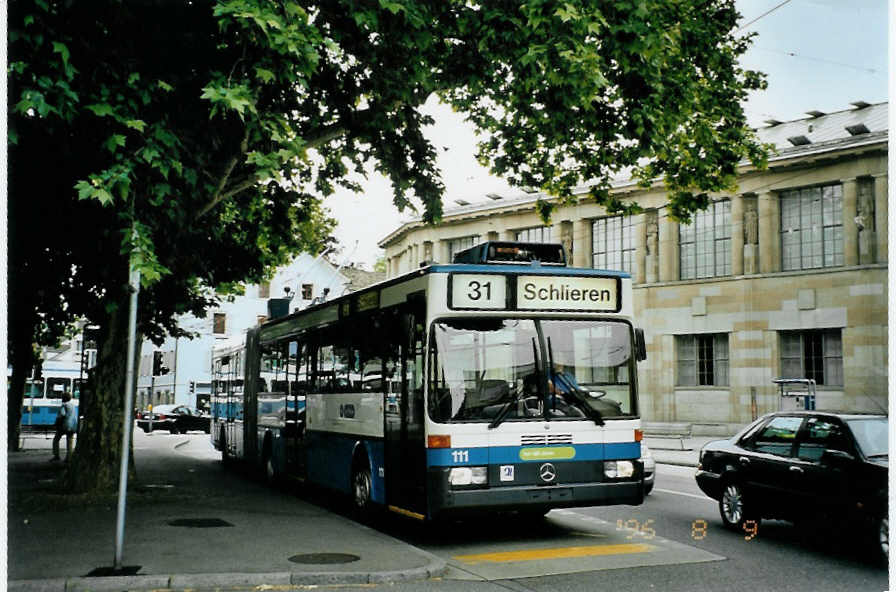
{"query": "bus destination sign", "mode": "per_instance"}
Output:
(534, 292)
(478, 291)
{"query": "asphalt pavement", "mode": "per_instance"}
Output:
(182, 532)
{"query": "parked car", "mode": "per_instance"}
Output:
(803, 466)
(649, 468)
(174, 418)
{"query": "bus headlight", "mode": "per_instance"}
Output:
(615, 469)
(468, 476)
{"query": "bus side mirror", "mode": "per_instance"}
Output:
(640, 345)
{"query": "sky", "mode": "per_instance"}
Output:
(817, 54)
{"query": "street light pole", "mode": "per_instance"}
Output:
(128, 418)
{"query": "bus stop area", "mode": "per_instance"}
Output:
(189, 524)
(210, 529)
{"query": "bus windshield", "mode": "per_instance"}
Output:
(530, 369)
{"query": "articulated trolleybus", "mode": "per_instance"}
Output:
(502, 381)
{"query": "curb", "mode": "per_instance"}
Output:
(435, 568)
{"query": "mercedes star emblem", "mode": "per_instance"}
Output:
(548, 472)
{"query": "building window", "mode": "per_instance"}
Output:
(220, 323)
(456, 245)
(536, 234)
(613, 242)
(705, 243)
(812, 227)
(702, 359)
(264, 290)
(307, 291)
(815, 354)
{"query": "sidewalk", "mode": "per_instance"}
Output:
(189, 524)
(668, 450)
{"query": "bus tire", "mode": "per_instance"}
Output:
(226, 459)
(269, 470)
(361, 488)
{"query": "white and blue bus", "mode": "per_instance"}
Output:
(502, 381)
(43, 396)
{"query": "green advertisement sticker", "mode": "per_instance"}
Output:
(554, 453)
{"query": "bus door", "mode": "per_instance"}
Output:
(294, 430)
(405, 452)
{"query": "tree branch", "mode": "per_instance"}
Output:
(219, 194)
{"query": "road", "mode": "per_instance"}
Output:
(673, 542)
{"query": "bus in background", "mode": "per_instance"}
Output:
(43, 397)
(502, 381)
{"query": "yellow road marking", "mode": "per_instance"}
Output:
(558, 553)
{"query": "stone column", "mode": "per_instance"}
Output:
(443, 252)
(581, 243)
(668, 248)
(850, 229)
(508, 235)
(651, 246)
(640, 238)
(492, 235)
(880, 216)
(865, 221)
(769, 213)
(737, 235)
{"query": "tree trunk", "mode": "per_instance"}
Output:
(96, 461)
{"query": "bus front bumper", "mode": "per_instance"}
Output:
(525, 498)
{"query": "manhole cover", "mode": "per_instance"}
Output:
(199, 522)
(324, 558)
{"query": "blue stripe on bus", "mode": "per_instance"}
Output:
(446, 457)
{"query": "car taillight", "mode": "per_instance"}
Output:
(161, 416)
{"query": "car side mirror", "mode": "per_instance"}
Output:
(834, 457)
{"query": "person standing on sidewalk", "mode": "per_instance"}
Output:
(67, 425)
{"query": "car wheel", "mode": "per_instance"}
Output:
(361, 487)
(734, 508)
(648, 488)
(208, 429)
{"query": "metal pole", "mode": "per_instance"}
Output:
(128, 418)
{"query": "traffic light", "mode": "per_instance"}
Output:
(192, 387)
(158, 366)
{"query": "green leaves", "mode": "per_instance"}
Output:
(230, 98)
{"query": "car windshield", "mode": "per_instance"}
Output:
(486, 367)
(871, 435)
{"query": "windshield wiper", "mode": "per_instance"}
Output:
(590, 411)
(516, 398)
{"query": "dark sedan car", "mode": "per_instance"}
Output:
(802, 466)
(174, 418)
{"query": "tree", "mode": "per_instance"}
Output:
(195, 140)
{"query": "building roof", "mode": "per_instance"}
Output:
(863, 124)
(361, 278)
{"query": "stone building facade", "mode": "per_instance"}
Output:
(786, 277)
